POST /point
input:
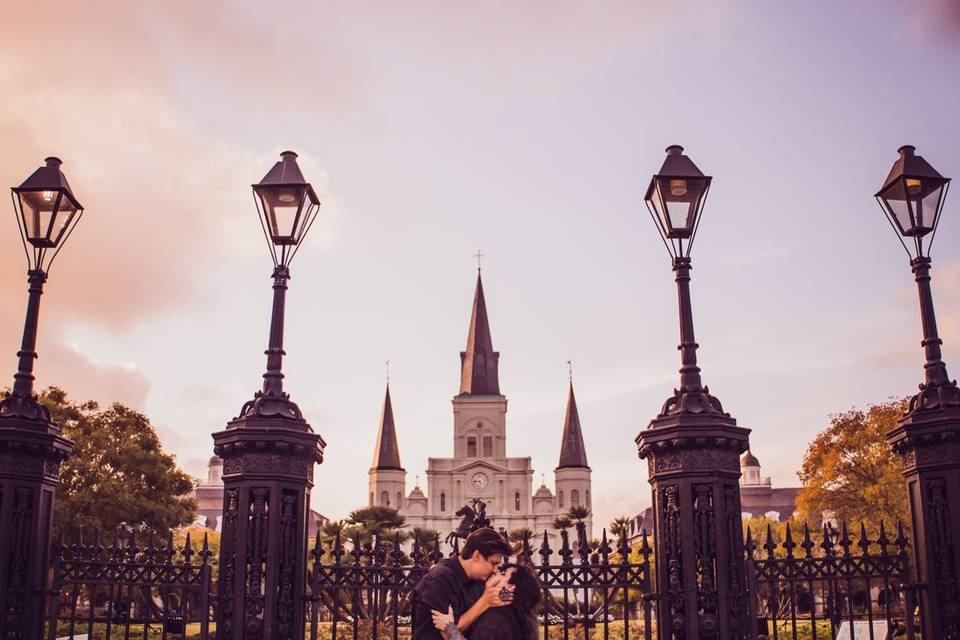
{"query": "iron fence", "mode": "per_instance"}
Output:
(850, 586)
(125, 590)
(364, 590)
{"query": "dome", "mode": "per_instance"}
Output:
(416, 494)
(749, 460)
(215, 460)
(543, 492)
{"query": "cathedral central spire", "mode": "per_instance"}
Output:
(478, 363)
(573, 453)
(386, 453)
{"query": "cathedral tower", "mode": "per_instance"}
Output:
(572, 474)
(479, 410)
(387, 477)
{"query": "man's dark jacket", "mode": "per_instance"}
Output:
(444, 585)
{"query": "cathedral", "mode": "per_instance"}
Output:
(480, 468)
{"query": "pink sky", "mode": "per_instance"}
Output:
(431, 130)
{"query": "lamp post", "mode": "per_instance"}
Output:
(927, 436)
(692, 449)
(268, 453)
(31, 447)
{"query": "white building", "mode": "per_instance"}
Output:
(480, 467)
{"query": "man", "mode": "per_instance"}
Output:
(466, 584)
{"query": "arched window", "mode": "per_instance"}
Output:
(399, 499)
(575, 498)
(471, 447)
(371, 498)
(443, 502)
(516, 501)
(560, 499)
(588, 499)
(487, 447)
(385, 498)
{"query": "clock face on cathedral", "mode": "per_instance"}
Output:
(479, 481)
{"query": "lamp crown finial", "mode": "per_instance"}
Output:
(53, 162)
(674, 150)
(906, 150)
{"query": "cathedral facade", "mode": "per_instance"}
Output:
(480, 468)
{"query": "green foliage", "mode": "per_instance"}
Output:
(562, 522)
(517, 536)
(427, 538)
(578, 513)
(619, 526)
(118, 473)
(383, 522)
(850, 470)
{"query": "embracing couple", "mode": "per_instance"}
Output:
(468, 596)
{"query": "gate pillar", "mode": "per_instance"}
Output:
(31, 451)
(268, 464)
(928, 441)
(694, 469)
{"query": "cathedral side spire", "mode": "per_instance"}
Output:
(478, 363)
(573, 453)
(386, 453)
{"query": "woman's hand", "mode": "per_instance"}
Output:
(491, 594)
(441, 620)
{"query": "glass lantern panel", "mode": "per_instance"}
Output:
(62, 219)
(899, 206)
(656, 199)
(282, 208)
(927, 206)
(37, 208)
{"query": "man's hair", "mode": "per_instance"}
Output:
(487, 541)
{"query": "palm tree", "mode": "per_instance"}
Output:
(517, 536)
(620, 526)
(562, 523)
(578, 513)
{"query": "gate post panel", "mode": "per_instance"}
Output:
(928, 441)
(267, 476)
(694, 470)
(30, 455)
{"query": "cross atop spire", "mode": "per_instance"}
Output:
(386, 453)
(573, 453)
(478, 362)
(479, 256)
(570, 370)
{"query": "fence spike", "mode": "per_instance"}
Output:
(415, 552)
(827, 543)
(583, 547)
(788, 542)
(545, 551)
(566, 555)
(357, 548)
(205, 550)
(435, 555)
(188, 552)
(769, 545)
(456, 548)
(864, 541)
(526, 553)
(807, 544)
(901, 540)
(882, 539)
(845, 541)
(604, 547)
(748, 544)
(337, 548)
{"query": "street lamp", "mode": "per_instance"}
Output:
(693, 451)
(927, 436)
(675, 200)
(269, 451)
(287, 205)
(912, 198)
(47, 212)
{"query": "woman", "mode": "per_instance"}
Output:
(514, 622)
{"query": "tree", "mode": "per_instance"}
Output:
(427, 538)
(620, 526)
(578, 513)
(850, 470)
(562, 523)
(118, 472)
(517, 536)
(383, 522)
